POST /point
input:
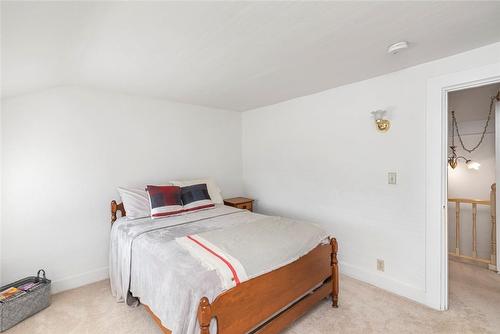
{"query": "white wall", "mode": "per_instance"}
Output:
(320, 158)
(67, 149)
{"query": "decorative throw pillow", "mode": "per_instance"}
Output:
(213, 189)
(196, 197)
(164, 200)
(135, 201)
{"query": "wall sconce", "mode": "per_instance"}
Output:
(382, 124)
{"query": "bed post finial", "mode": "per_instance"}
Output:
(335, 273)
(204, 315)
(115, 207)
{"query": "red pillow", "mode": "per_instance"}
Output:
(164, 200)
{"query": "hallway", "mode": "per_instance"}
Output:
(475, 290)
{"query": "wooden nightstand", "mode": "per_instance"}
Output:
(240, 203)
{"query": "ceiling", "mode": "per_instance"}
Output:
(472, 104)
(230, 55)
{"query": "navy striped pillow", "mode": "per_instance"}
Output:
(196, 197)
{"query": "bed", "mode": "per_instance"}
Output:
(148, 264)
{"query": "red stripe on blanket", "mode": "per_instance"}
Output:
(201, 207)
(228, 264)
(168, 213)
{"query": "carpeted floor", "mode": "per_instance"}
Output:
(474, 308)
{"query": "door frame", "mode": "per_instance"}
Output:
(497, 176)
(436, 170)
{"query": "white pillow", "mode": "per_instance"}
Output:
(135, 201)
(213, 190)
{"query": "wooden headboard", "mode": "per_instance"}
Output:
(115, 207)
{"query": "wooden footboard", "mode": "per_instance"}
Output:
(269, 303)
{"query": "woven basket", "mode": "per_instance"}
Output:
(16, 309)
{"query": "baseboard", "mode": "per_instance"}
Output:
(384, 282)
(76, 281)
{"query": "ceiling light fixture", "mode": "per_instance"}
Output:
(397, 47)
(453, 157)
(453, 160)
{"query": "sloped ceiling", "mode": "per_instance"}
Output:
(230, 55)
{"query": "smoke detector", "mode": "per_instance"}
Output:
(397, 47)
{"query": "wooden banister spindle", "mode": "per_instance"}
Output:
(493, 213)
(491, 260)
(474, 230)
(457, 228)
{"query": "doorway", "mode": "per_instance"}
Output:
(437, 146)
(471, 192)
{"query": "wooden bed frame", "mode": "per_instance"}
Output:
(268, 303)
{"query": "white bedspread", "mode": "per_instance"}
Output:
(146, 260)
(245, 251)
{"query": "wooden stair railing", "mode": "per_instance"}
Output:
(491, 262)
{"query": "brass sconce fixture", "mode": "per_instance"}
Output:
(382, 124)
(453, 160)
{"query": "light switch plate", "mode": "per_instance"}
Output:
(392, 178)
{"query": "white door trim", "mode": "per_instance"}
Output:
(436, 227)
(497, 174)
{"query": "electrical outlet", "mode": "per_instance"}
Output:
(380, 265)
(392, 178)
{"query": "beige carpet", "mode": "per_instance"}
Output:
(474, 308)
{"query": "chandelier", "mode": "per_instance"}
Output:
(453, 158)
